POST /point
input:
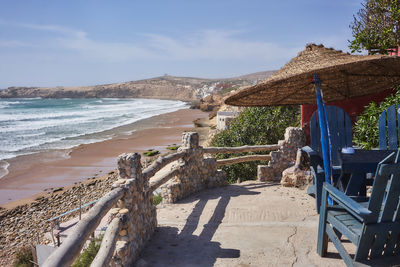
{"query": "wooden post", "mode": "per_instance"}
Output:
(52, 234)
(58, 239)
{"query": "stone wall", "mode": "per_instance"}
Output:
(284, 157)
(136, 209)
(196, 172)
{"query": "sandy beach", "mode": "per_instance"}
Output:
(30, 175)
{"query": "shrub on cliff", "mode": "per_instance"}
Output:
(254, 126)
(366, 133)
(89, 253)
(23, 257)
(151, 153)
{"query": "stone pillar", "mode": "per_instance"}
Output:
(284, 157)
(197, 172)
(136, 209)
(190, 140)
(191, 179)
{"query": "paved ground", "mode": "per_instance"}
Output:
(251, 224)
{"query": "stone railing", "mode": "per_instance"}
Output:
(132, 214)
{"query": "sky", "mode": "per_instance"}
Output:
(89, 42)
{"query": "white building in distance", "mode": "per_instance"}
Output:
(224, 118)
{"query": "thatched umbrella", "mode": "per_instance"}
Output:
(343, 76)
(340, 75)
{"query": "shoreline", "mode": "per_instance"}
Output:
(30, 175)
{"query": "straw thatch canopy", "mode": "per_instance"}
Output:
(343, 76)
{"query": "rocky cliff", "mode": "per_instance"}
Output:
(165, 87)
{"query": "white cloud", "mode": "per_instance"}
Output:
(207, 51)
(202, 45)
(45, 27)
(216, 45)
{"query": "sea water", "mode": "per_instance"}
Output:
(34, 125)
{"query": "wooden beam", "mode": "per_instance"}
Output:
(222, 162)
(160, 163)
(72, 246)
(108, 243)
(155, 183)
(239, 149)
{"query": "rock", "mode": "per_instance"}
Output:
(122, 248)
(123, 211)
(123, 233)
(114, 211)
(284, 157)
(293, 176)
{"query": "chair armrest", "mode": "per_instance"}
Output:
(347, 203)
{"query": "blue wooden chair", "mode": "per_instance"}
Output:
(373, 226)
(341, 136)
(389, 123)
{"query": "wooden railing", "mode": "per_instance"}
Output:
(240, 149)
(66, 254)
(71, 248)
(160, 163)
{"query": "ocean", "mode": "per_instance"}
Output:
(34, 125)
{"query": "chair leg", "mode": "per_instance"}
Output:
(338, 245)
(337, 233)
(322, 243)
(319, 181)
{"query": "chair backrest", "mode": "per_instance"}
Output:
(381, 233)
(384, 199)
(389, 128)
(339, 129)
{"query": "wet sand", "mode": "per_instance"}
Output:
(30, 175)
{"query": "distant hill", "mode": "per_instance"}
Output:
(165, 87)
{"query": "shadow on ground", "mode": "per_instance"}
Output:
(171, 247)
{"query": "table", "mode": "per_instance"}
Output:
(354, 168)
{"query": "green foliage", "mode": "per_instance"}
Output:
(157, 199)
(376, 26)
(151, 153)
(254, 126)
(173, 147)
(89, 253)
(23, 257)
(366, 133)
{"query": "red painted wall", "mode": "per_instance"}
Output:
(353, 107)
(394, 51)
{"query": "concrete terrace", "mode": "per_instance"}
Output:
(247, 224)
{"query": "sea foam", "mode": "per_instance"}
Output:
(33, 125)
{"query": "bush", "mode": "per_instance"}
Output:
(89, 253)
(151, 153)
(23, 257)
(173, 147)
(255, 126)
(366, 133)
(157, 199)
